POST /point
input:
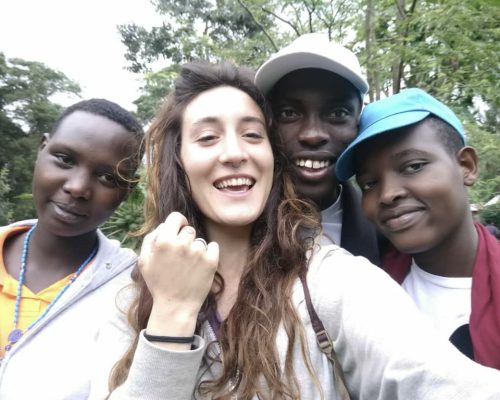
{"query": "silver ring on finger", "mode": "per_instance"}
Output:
(201, 240)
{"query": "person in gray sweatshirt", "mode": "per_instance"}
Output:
(59, 274)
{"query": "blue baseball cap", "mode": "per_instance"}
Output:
(405, 108)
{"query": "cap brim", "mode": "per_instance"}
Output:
(345, 167)
(276, 68)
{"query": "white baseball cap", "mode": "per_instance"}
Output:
(312, 50)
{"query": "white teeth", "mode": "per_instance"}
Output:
(312, 164)
(234, 182)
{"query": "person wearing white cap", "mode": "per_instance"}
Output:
(316, 90)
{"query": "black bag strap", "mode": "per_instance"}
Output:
(324, 342)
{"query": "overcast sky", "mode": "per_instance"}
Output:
(79, 38)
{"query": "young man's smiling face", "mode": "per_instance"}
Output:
(317, 114)
(414, 187)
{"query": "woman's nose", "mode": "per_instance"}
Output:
(234, 151)
(78, 183)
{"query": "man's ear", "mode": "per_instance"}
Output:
(468, 161)
(43, 141)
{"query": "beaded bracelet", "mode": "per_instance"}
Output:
(169, 339)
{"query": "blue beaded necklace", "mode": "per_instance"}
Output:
(16, 333)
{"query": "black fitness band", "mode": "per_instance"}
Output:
(169, 339)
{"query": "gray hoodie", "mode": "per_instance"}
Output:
(386, 348)
(54, 360)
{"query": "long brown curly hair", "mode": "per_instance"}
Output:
(280, 239)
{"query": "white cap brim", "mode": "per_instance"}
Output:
(277, 67)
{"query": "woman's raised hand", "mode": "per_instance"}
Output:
(179, 270)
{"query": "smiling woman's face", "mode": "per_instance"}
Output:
(227, 156)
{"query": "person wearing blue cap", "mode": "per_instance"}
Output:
(316, 90)
(413, 167)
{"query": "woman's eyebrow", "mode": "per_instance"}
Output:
(61, 146)
(215, 120)
(206, 120)
(253, 119)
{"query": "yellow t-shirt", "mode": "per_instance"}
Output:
(32, 304)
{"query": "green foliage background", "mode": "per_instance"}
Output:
(127, 219)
